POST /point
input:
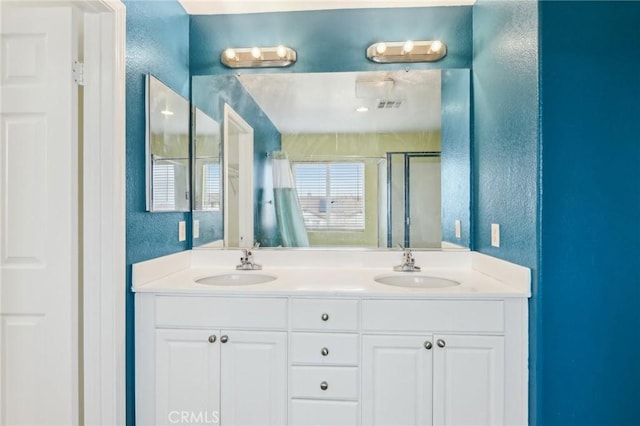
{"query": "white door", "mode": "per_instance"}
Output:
(396, 380)
(187, 377)
(238, 180)
(468, 380)
(253, 378)
(38, 216)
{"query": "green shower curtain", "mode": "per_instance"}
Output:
(293, 232)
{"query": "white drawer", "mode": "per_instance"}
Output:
(324, 348)
(433, 315)
(324, 314)
(308, 382)
(306, 412)
(229, 312)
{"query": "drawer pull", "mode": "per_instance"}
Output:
(224, 339)
(324, 386)
(325, 351)
(325, 317)
(441, 343)
(212, 338)
(427, 345)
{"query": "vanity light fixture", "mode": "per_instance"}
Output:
(258, 57)
(406, 51)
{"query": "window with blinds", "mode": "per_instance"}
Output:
(211, 186)
(164, 186)
(331, 195)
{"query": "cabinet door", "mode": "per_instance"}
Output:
(253, 378)
(468, 376)
(187, 376)
(396, 380)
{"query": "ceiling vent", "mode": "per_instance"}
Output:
(389, 103)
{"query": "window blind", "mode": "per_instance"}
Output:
(331, 195)
(211, 186)
(164, 190)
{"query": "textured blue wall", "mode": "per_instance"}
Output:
(456, 155)
(506, 144)
(333, 40)
(590, 87)
(210, 93)
(157, 43)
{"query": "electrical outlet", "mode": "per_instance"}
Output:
(182, 230)
(495, 235)
(196, 229)
(458, 229)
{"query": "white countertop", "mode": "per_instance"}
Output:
(479, 276)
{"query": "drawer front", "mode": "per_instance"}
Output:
(227, 312)
(323, 413)
(433, 315)
(339, 382)
(324, 314)
(324, 348)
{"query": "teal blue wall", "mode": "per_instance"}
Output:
(590, 240)
(157, 43)
(456, 155)
(332, 40)
(506, 144)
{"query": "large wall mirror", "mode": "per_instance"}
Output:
(359, 159)
(167, 148)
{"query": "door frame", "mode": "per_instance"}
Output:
(245, 186)
(102, 325)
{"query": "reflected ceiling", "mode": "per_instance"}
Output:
(396, 101)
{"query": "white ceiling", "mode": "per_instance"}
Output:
(220, 7)
(327, 102)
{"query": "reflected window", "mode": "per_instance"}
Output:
(331, 195)
(164, 188)
(211, 186)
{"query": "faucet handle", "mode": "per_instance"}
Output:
(256, 245)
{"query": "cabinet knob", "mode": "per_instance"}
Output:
(428, 345)
(324, 386)
(212, 338)
(441, 343)
(325, 317)
(325, 351)
(224, 339)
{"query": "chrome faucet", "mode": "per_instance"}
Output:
(408, 262)
(246, 260)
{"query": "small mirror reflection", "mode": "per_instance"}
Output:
(167, 143)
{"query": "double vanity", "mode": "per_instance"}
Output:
(331, 337)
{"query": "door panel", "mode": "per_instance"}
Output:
(254, 378)
(38, 216)
(396, 380)
(469, 380)
(187, 377)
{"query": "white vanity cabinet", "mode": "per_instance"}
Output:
(331, 361)
(441, 362)
(215, 360)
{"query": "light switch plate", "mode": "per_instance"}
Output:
(495, 235)
(182, 230)
(196, 229)
(458, 229)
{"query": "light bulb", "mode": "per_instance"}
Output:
(436, 46)
(256, 52)
(362, 109)
(230, 53)
(281, 51)
(381, 48)
(408, 46)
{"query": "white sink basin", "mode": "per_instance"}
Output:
(415, 281)
(236, 279)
